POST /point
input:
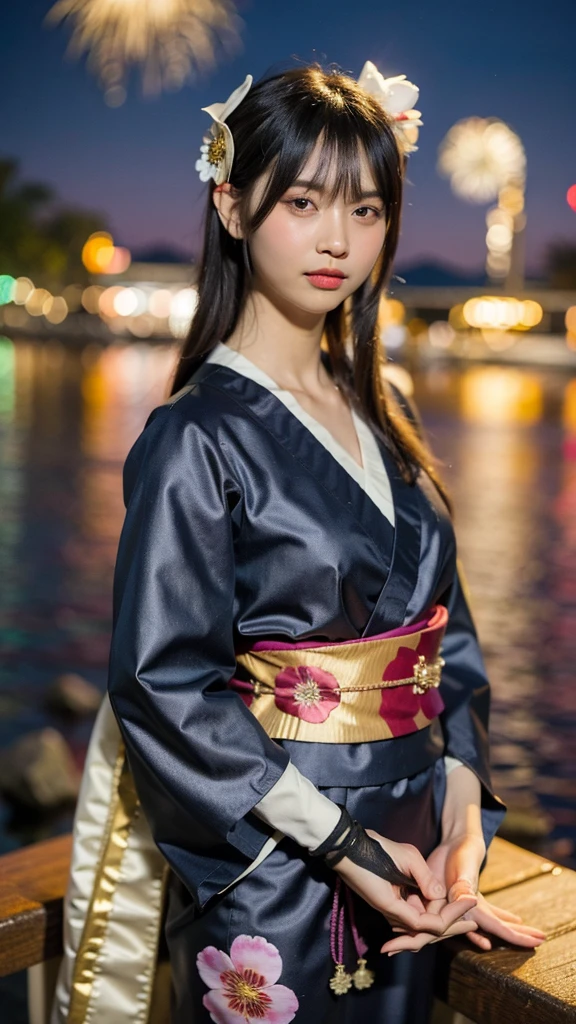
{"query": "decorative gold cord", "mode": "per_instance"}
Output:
(386, 684)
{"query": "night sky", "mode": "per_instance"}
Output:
(514, 60)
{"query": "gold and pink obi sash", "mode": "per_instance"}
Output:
(354, 691)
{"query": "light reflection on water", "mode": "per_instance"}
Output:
(507, 438)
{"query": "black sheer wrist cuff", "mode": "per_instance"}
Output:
(337, 835)
(349, 839)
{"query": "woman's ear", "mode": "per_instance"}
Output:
(226, 202)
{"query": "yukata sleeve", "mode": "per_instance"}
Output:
(466, 695)
(200, 760)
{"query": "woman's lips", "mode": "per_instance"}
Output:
(324, 279)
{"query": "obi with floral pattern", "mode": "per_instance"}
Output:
(356, 691)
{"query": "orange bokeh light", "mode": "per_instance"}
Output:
(571, 197)
(97, 252)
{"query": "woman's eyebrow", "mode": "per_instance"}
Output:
(321, 189)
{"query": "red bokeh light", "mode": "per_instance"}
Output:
(571, 197)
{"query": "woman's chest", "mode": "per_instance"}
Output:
(315, 554)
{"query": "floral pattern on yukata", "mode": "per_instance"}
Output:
(242, 985)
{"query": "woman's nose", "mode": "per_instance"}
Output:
(333, 237)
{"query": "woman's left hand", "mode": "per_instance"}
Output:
(457, 862)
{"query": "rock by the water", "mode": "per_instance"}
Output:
(74, 694)
(39, 771)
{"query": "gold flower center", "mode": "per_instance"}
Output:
(217, 149)
(307, 692)
(245, 994)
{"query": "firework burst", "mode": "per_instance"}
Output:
(481, 156)
(172, 41)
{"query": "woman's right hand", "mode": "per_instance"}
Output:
(430, 914)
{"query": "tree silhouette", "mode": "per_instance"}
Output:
(38, 237)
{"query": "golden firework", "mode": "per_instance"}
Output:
(171, 40)
(481, 156)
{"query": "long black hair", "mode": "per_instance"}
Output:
(275, 128)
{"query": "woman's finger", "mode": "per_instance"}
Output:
(414, 864)
(462, 887)
(417, 940)
(415, 901)
(504, 915)
(409, 919)
(487, 919)
(451, 912)
(518, 935)
(434, 907)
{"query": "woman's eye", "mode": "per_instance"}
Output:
(300, 203)
(365, 211)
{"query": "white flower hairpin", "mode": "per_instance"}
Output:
(217, 147)
(397, 96)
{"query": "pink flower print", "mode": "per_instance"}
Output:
(400, 705)
(243, 985)
(306, 692)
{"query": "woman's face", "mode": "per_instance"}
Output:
(307, 232)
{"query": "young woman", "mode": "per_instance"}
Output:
(313, 772)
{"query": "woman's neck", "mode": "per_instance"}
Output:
(285, 343)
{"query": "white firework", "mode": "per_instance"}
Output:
(171, 40)
(481, 156)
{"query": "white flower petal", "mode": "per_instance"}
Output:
(236, 97)
(400, 97)
(396, 94)
(220, 111)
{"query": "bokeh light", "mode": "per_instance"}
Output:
(570, 319)
(159, 303)
(499, 237)
(97, 252)
(182, 310)
(488, 312)
(91, 298)
(38, 300)
(119, 261)
(106, 301)
(129, 302)
(58, 310)
(23, 288)
(441, 334)
(501, 395)
(7, 287)
(570, 322)
(571, 197)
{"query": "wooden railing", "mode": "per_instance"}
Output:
(506, 986)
